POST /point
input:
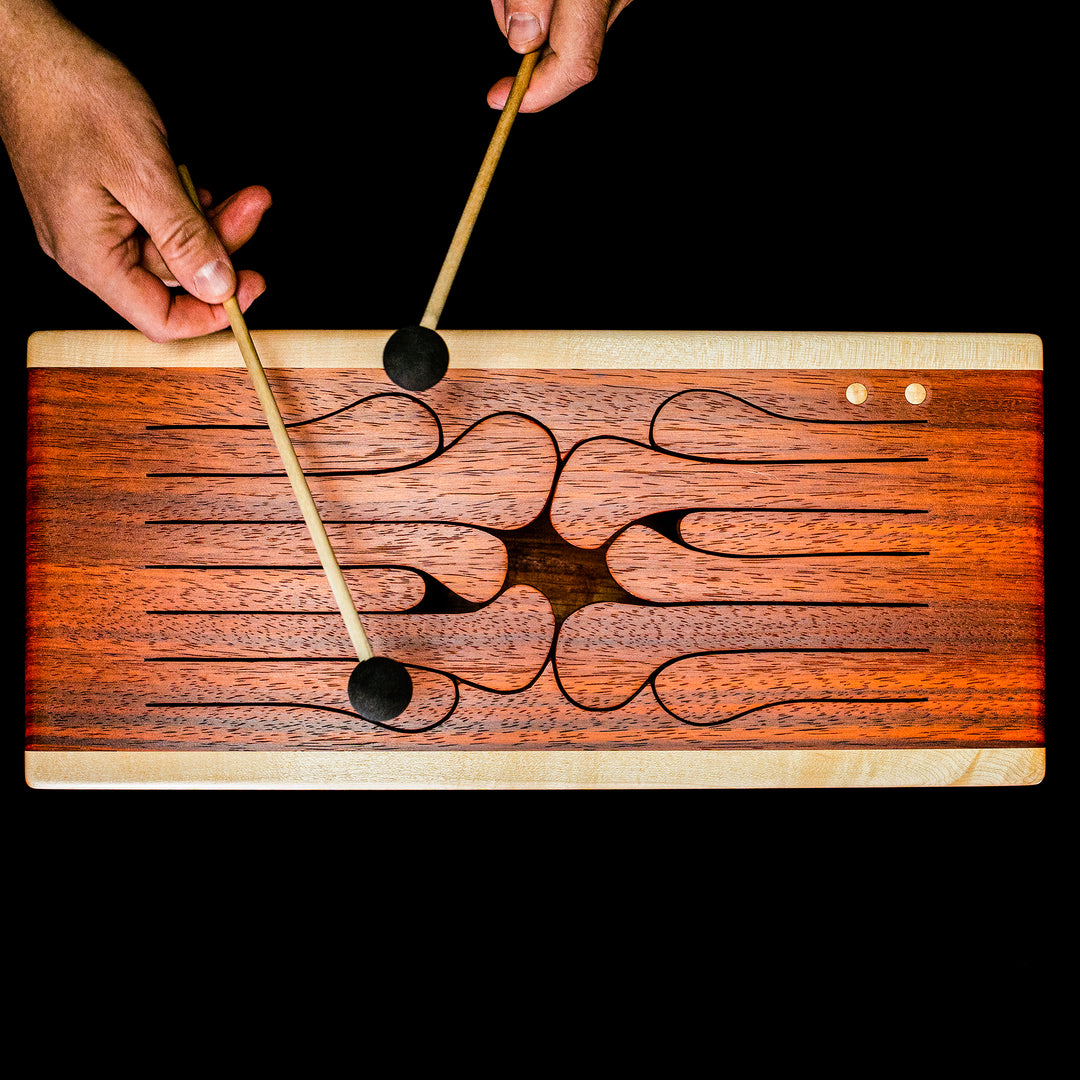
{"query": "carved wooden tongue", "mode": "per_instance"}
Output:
(608, 652)
(779, 560)
(739, 553)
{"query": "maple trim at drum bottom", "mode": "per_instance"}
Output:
(420, 769)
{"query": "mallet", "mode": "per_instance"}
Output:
(416, 357)
(380, 688)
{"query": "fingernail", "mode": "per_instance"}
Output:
(522, 29)
(215, 281)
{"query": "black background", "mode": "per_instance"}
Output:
(729, 169)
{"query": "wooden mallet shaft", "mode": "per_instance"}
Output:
(291, 463)
(460, 240)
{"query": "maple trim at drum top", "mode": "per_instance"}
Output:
(588, 349)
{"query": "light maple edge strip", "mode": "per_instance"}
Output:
(730, 768)
(433, 311)
(596, 350)
(289, 459)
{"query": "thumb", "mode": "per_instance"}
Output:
(185, 240)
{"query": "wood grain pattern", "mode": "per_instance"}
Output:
(662, 560)
(608, 350)
(589, 509)
(537, 770)
(470, 562)
(652, 567)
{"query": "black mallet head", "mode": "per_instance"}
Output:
(415, 358)
(380, 689)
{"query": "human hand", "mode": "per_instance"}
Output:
(573, 31)
(92, 160)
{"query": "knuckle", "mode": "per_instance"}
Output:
(181, 239)
(580, 71)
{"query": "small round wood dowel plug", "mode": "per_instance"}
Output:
(380, 689)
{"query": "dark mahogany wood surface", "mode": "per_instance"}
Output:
(564, 559)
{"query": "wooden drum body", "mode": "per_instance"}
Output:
(608, 559)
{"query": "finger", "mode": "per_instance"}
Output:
(143, 300)
(525, 23)
(523, 35)
(235, 221)
(553, 80)
(188, 245)
(575, 41)
(617, 7)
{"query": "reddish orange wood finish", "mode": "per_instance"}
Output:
(728, 559)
